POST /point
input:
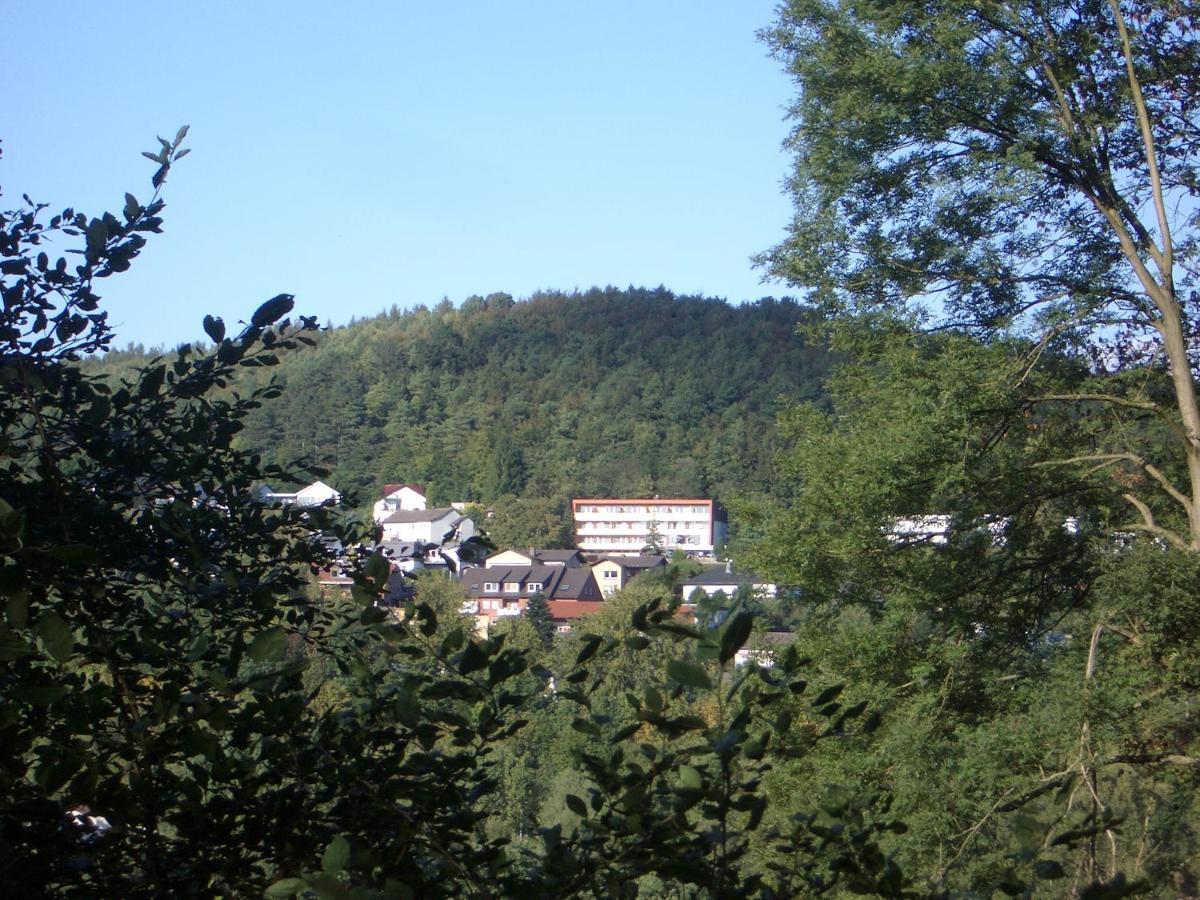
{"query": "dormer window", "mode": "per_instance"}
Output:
(534, 587)
(491, 587)
(511, 587)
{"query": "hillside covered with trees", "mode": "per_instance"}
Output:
(602, 393)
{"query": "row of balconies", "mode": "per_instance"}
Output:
(638, 527)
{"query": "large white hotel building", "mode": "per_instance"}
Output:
(624, 526)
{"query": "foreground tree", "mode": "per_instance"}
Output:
(1022, 166)
(1019, 178)
(157, 621)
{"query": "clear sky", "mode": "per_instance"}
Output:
(365, 154)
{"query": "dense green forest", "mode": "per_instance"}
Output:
(601, 393)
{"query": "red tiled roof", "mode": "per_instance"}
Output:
(574, 609)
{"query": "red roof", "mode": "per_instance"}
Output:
(574, 609)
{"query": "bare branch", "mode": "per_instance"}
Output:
(1164, 257)
(1149, 526)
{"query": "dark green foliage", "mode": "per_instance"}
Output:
(537, 612)
(974, 632)
(601, 393)
(158, 629)
(166, 660)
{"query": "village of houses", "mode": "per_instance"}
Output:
(611, 537)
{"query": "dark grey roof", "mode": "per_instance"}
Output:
(558, 582)
(419, 515)
(556, 555)
(561, 557)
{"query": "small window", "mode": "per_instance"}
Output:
(491, 587)
(511, 587)
(611, 573)
(534, 587)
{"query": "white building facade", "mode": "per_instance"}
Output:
(625, 527)
(398, 498)
(427, 526)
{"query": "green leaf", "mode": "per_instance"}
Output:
(591, 643)
(12, 646)
(473, 658)
(689, 778)
(286, 887)
(76, 554)
(40, 695)
(17, 609)
(735, 634)
(377, 568)
(577, 806)
(214, 328)
(275, 308)
(56, 636)
(688, 674)
(826, 695)
(337, 854)
(1048, 869)
(268, 646)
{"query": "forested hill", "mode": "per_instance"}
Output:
(605, 392)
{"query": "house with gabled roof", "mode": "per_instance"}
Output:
(397, 498)
(439, 525)
(571, 559)
(614, 572)
(726, 580)
(505, 590)
(314, 495)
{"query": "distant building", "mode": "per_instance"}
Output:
(498, 591)
(724, 579)
(626, 527)
(571, 559)
(398, 498)
(441, 525)
(614, 572)
(314, 495)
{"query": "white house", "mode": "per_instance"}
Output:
(725, 580)
(439, 525)
(626, 526)
(397, 498)
(571, 559)
(314, 495)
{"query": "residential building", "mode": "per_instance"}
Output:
(725, 580)
(398, 498)
(614, 572)
(504, 590)
(314, 495)
(625, 527)
(571, 559)
(440, 525)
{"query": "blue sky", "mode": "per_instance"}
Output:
(366, 154)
